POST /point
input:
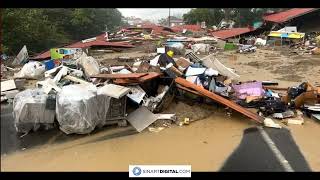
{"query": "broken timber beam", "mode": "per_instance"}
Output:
(219, 99)
(120, 76)
(189, 90)
(149, 76)
(275, 88)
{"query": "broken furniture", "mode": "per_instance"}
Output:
(116, 112)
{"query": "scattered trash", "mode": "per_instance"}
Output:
(29, 111)
(270, 123)
(77, 109)
(8, 85)
(136, 94)
(114, 91)
(142, 118)
(32, 70)
(248, 89)
(156, 130)
(297, 121)
(86, 92)
(283, 115)
(22, 57)
(186, 121)
(89, 64)
(201, 48)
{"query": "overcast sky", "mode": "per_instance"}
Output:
(153, 14)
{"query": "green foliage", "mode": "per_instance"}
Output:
(41, 29)
(213, 16)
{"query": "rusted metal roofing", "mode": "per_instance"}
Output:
(43, 55)
(98, 42)
(191, 27)
(228, 33)
(287, 15)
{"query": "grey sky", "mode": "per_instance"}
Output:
(153, 14)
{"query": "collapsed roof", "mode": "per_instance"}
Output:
(288, 15)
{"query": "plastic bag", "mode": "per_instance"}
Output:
(89, 64)
(77, 109)
(104, 105)
(179, 46)
(202, 48)
(33, 70)
(30, 112)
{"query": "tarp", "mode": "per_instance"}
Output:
(30, 110)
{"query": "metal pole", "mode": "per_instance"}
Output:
(1, 31)
(169, 18)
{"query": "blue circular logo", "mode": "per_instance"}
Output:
(136, 171)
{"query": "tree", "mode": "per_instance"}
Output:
(163, 21)
(210, 16)
(242, 16)
(41, 29)
(29, 27)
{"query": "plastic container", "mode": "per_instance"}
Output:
(49, 64)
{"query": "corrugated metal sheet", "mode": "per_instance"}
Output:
(228, 33)
(191, 27)
(44, 55)
(287, 15)
(98, 42)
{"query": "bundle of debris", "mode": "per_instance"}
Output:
(82, 94)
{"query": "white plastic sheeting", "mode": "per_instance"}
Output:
(32, 70)
(202, 48)
(29, 111)
(80, 108)
(89, 64)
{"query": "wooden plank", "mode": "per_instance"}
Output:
(189, 90)
(120, 76)
(149, 76)
(8, 85)
(220, 99)
(275, 88)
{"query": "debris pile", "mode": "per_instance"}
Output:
(83, 94)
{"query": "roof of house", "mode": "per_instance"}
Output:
(287, 15)
(98, 42)
(190, 27)
(228, 33)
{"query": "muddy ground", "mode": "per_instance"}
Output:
(205, 144)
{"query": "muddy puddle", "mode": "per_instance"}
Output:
(205, 144)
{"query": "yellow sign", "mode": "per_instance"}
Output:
(291, 35)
